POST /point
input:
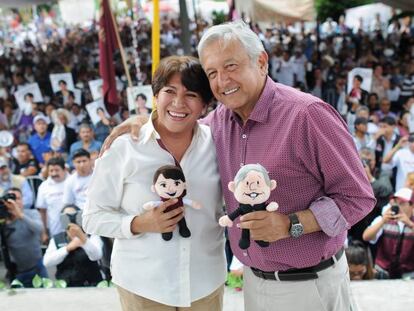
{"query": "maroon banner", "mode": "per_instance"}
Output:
(107, 46)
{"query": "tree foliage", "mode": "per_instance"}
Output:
(335, 8)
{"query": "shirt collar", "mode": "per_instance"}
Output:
(261, 110)
(150, 133)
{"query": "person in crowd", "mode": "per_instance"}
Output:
(25, 164)
(387, 139)
(407, 87)
(9, 180)
(403, 121)
(381, 186)
(20, 237)
(172, 136)
(373, 102)
(40, 141)
(103, 127)
(326, 177)
(86, 141)
(385, 110)
(359, 262)
(380, 83)
(74, 253)
(401, 157)
(78, 116)
(49, 199)
(76, 185)
(392, 232)
(361, 137)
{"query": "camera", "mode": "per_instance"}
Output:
(3, 209)
(395, 209)
(74, 218)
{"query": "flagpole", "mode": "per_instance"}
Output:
(155, 40)
(121, 49)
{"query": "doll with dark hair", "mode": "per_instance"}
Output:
(169, 183)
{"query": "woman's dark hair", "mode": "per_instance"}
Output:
(192, 76)
(358, 254)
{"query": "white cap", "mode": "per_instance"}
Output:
(404, 194)
(39, 117)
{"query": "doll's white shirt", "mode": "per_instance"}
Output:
(174, 272)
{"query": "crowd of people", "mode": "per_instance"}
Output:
(47, 167)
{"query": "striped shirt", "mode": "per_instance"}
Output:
(407, 88)
(307, 149)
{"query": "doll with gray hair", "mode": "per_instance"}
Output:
(251, 187)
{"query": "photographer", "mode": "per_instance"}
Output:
(393, 233)
(20, 239)
(75, 253)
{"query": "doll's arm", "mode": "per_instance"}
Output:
(272, 207)
(192, 203)
(225, 221)
(151, 204)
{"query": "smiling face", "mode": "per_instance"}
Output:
(169, 188)
(253, 189)
(236, 80)
(178, 108)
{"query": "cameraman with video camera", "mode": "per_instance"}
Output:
(393, 232)
(75, 253)
(20, 231)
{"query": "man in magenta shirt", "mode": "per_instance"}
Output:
(305, 145)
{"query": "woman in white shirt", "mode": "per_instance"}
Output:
(151, 273)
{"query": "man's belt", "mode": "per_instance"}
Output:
(302, 274)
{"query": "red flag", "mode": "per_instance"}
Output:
(107, 46)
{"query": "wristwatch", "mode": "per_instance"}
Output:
(296, 228)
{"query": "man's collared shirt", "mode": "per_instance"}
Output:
(307, 149)
(174, 272)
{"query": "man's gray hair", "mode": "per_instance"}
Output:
(244, 170)
(229, 32)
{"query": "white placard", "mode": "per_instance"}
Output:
(96, 88)
(133, 92)
(365, 73)
(92, 110)
(56, 77)
(78, 96)
(28, 88)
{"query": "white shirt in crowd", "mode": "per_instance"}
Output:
(54, 256)
(403, 159)
(174, 272)
(50, 197)
(75, 189)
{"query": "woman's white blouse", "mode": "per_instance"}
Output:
(174, 272)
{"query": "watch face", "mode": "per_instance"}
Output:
(296, 230)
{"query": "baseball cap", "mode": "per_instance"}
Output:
(404, 194)
(39, 117)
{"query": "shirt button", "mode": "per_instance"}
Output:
(244, 136)
(241, 164)
(244, 254)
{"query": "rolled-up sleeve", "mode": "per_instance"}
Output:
(329, 154)
(103, 214)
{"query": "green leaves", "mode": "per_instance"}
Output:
(37, 281)
(61, 284)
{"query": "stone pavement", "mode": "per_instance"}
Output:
(369, 295)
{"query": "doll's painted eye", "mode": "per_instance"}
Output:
(177, 183)
(164, 185)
